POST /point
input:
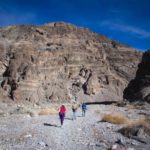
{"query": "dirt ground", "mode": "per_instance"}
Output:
(43, 132)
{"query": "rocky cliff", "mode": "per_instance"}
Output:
(139, 88)
(58, 61)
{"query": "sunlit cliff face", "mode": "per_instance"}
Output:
(58, 61)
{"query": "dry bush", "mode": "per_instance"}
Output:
(135, 130)
(144, 121)
(129, 131)
(137, 127)
(33, 113)
(115, 119)
(147, 120)
(121, 119)
(138, 105)
(134, 127)
(48, 111)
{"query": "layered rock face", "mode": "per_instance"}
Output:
(58, 61)
(139, 88)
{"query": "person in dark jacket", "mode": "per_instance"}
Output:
(84, 108)
(62, 112)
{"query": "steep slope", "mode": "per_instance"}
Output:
(57, 61)
(139, 88)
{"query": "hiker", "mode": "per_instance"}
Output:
(76, 98)
(62, 112)
(84, 108)
(74, 109)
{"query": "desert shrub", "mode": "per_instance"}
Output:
(115, 119)
(48, 111)
(135, 130)
(147, 120)
(137, 127)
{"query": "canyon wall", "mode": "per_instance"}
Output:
(57, 61)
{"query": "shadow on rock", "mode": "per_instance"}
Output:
(102, 103)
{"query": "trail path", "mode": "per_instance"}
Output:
(44, 132)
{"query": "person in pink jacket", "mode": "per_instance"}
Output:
(62, 112)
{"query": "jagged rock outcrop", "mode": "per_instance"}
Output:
(139, 88)
(57, 61)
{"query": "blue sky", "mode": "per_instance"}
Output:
(127, 21)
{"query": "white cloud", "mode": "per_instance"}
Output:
(140, 33)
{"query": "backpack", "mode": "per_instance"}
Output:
(74, 107)
(84, 106)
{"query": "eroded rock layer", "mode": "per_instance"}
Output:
(58, 61)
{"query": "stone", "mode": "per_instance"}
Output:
(114, 147)
(42, 144)
(28, 136)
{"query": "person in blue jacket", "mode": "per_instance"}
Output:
(84, 108)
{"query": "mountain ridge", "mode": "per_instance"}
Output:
(61, 23)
